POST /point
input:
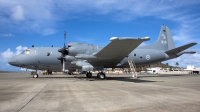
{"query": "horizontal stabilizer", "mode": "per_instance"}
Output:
(180, 49)
(185, 52)
(189, 52)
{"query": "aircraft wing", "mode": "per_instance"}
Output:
(118, 49)
(180, 49)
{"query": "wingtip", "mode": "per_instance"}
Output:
(193, 52)
(194, 43)
(146, 38)
(114, 38)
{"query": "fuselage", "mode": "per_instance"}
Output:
(43, 58)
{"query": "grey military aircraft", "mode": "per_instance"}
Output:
(89, 57)
(48, 58)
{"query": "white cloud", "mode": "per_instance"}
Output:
(37, 15)
(17, 13)
(22, 15)
(7, 35)
(20, 49)
(186, 59)
(89, 40)
(4, 56)
(48, 31)
(142, 44)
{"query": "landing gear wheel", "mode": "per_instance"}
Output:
(89, 75)
(35, 76)
(101, 76)
(98, 75)
(69, 73)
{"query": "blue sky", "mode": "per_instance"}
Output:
(24, 23)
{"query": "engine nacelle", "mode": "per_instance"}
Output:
(78, 48)
(70, 58)
(91, 68)
(85, 57)
(83, 48)
(87, 68)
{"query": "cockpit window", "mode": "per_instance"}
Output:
(27, 51)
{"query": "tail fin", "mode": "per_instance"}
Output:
(164, 42)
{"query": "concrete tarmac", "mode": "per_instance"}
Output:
(19, 92)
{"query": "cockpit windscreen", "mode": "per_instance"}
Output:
(27, 51)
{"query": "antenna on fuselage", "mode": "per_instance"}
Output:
(65, 37)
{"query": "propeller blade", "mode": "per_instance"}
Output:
(64, 37)
(63, 65)
(64, 51)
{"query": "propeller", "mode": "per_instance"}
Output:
(64, 51)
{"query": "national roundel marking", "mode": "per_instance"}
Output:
(148, 57)
(164, 37)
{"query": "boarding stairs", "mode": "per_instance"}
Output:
(132, 68)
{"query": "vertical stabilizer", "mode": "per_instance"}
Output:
(164, 42)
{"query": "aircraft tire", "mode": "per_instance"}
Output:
(35, 76)
(89, 75)
(98, 75)
(102, 76)
(70, 73)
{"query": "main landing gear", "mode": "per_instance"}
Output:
(100, 75)
(88, 75)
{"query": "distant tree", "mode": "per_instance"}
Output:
(177, 64)
(166, 65)
(170, 68)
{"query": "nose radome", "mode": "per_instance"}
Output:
(13, 61)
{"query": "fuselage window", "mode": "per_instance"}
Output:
(134, 54)
(48, 54)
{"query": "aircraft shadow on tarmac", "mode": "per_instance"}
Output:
(94, 78)
(121, 78)
(163, 75)
(125, 79)
(130, 79)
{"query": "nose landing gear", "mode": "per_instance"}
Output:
(34, 73)
(100, 75)
(35, 76)
(88, 75)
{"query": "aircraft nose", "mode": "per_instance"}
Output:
(13, 61)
